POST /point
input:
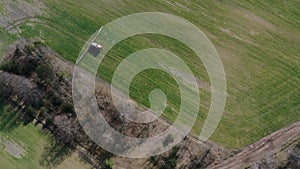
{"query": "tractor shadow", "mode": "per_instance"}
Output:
(93, 51)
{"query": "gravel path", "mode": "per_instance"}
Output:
(271, 144)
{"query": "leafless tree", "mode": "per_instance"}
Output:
(66, 130)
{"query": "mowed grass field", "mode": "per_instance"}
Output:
(258, 42)
(33, 143)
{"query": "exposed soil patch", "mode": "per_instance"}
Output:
(188, 78)
(263, 152)
(14, 149)
(234, 35)
(253, 17)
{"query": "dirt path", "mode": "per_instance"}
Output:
(271, 144)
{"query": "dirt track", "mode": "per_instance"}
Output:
(269, 145)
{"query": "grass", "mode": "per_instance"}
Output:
(74, 162)
(257, 42)
(6, 39)
(32, 139)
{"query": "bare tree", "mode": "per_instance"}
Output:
(66, 130)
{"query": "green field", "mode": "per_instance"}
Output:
(35, 145)
(258, 42)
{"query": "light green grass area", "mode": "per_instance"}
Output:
(2, 8)
(32, 140)
(258, 42)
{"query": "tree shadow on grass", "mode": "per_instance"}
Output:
(11, 119)
(8, 119)
(54, 154)
(97, 161)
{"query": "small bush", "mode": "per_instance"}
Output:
(109, 163)
(11, 66)
(169, 139)
(38, 43)
(30, 49)
(45, 72)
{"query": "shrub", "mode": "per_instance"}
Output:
(109, 163)
(45, 72)
(169, 139)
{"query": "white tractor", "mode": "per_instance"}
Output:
(96, 46)
(95, 49)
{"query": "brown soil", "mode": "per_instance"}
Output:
(270, 145)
